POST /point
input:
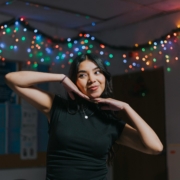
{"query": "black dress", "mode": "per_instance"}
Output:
(78, 147)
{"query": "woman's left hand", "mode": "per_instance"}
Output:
(110, 104)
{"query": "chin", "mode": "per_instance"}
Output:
(94, 95)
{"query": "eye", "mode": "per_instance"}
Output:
(98, 72)
(82, 75)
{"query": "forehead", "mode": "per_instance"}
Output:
(87, 65)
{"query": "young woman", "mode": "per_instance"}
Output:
(83, 127)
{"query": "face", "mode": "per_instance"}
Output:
(90, 79)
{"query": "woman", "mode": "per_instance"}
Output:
(83, 127)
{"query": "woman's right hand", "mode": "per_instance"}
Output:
(72, 88)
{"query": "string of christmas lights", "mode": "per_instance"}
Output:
(46, 49)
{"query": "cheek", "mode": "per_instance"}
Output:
(103, 82)
(80, 84)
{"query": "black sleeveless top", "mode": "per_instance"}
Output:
(78, 147)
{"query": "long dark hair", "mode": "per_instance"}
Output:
(95, 59)
(107, 93)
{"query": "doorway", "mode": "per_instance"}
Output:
(144, 92)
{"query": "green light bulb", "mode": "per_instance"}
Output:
(8, 30)
(143, 49)
(143, 94)
(154, 59)
(70, 61)
(108, 63)
(23, 38)
(35, 65)
(111, 55)
(47, 59)
(69, 45)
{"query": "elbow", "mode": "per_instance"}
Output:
(7, 78)
(157, 150)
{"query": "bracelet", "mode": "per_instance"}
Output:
(63, 79)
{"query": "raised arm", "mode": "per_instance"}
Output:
(23, 83)
(141, 137)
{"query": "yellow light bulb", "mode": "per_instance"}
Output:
(136, 45)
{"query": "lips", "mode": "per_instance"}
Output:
(93, 88)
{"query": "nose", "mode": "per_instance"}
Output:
(92, 78)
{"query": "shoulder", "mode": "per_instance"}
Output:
(59, 103)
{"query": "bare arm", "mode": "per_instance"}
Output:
(141, 137)
(22, 82)
(29, 78)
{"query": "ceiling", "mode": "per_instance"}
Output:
(87, 15)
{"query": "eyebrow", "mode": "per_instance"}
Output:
(83, 71)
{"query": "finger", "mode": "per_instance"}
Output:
(82, 95)
(86, 97)
(93, 101)
(101, 100)
(71, 95)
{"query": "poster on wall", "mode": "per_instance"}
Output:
(23, 129)
(34, 126)
(28, 131)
